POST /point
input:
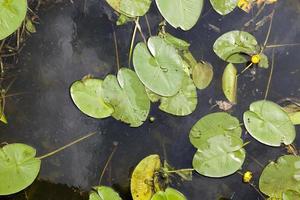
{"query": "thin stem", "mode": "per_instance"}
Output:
(140, 29)
(257, 190)
(116, 49)
(107, 162)
(131, 45)
(269, 31)
(66, 146)
(256, 161)
(245, 69)
(148, 25)
(270, 76)
(257, 14)
(282, 45)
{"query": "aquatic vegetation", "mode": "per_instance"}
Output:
(229, 83)
(224, 7)
(130, 8)
(104, 193)
(168, 194)
(268, 123)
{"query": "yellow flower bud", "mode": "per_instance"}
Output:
(255, 59)
(247, 177)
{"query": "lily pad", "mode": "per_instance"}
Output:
(224, 7)
(291, 195)
(176, 42)
(232, 46)
(87, 95)
(127, 95)
(104, 193)
(160, 67)
(168, 194)
(293, 112)
(268, 123)
(12, 14)
(142, 179)
(18, 167)
(202, 74)
(130, 8)
(184, 102)
(219, 156)
(281, 177)
(219, 123)
(180, 13)
(229, 83)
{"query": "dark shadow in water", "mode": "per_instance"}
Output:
(74, 40)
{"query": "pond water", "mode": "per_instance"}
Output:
(76, 39)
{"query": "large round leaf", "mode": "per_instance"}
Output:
(229, 83)
(12, 14)
(104, 193)
(269, 124)
(219, 156)
(87, 96)
(232, 45)
(278, 178)
(168, 194)
(18, 168)
(180, 13)
(224, 7)
(219, 123)
(130, 8)
(142, 179)
(202, 74)
(127, 96)
(160, 69)
(184, 102)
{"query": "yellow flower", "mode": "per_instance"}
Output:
(247, 177)
(255, 59)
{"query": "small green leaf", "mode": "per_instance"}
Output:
(127, 95)
(268, 123)
(12, 14)
(87, 95)
(180, 13)
(220, 123)
(123, 19)
(224, 7)
(159, 68)
(229, 83)
(202, 74)
(130, 8)
(30, 26)
(168, 194)
(293, 112)
(219, 156)
(278, 179)
(291, 195)
(232, 46)
(2, 115)
(18, 167)
(264, 62)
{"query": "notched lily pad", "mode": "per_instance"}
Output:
(159, 67)
(281, 178)
(130, 8)
(18, 167)
(127, 95)
(87, 94)
(269, 124)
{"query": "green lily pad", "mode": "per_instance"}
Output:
(219, 156)
(127, 95)
(232, 46)
(268, 123)
(176, 42)
(224, 7)
(18, 167)
(229, 83)
(281, 177)
(291, 195)
(12, 14)
(202, 74)
(184, 102)
(168, 194)
(87, 94)
(160, 70)
(104, 193)
(152, 96)
(293, 112)
(180, 13)
(130, 8)
(219, 123)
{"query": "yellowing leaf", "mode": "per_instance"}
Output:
(142, 179)
(229, 82)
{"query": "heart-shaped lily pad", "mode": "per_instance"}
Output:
(88, 97)
(127, 95)
(18, 167)
(268, 123)
(281, 177)
(232, 46)
(160, 67)
(12, 14)
(219, 156)
(130, 8)
(219, 123)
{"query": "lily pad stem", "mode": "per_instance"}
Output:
(269, 32)
(66, 146)
(140, 29)
(271, 74)
(246, 69)
(116, 49)
(131, 44)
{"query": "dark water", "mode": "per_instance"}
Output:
(74, 40)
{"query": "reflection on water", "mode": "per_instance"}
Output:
(74, 40)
